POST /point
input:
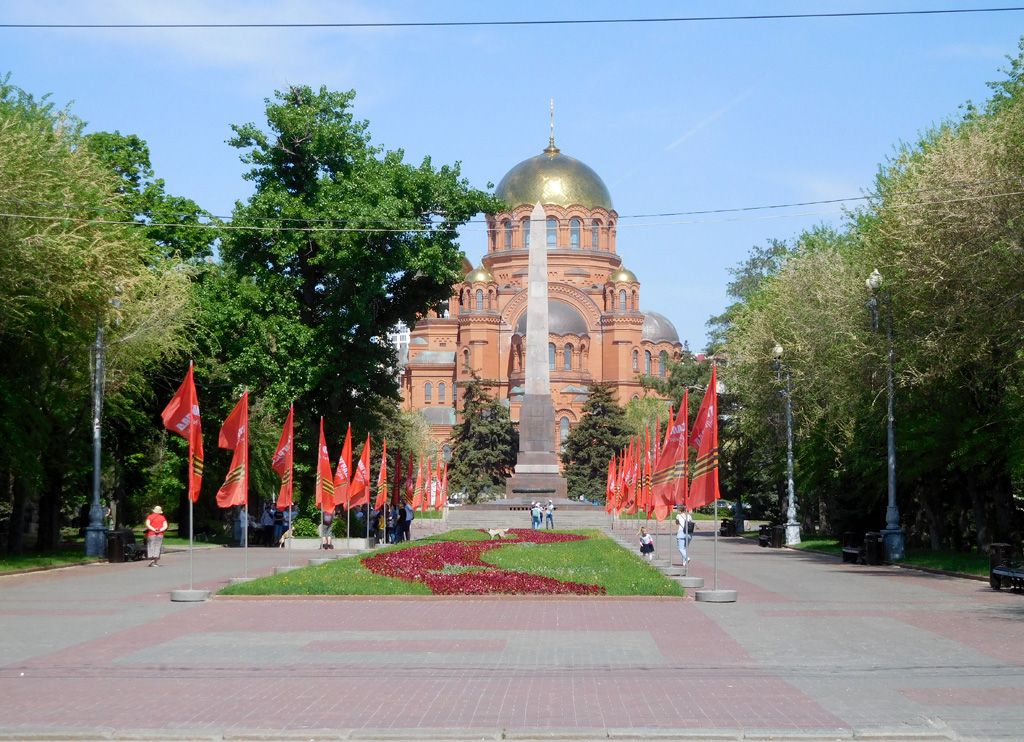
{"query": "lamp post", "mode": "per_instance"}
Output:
(892, 534)
(792, 525)
(96, 531)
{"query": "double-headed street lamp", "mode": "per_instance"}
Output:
(792, 525)
(893, 534)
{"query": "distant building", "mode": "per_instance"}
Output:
(597, 331)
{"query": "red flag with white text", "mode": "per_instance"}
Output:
(181, 416)
(324, 480)
(234, 434)
(359, 492)
(343, 472)
(670, 478)
(283, 460)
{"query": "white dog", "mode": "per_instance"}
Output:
(498, 533)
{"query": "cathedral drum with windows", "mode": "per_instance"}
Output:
(597, 331)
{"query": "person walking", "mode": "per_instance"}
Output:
(646, 544)
(684, 533)
(549, 515)
(156, 524)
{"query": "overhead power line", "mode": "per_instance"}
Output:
(536, 22)
(227, 226)
(309, 224)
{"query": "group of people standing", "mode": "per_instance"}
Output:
(389, 524)
(542, 513)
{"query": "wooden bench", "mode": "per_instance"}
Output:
(853, 548)
(1001, 572)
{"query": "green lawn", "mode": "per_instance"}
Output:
(74, 554)
(971, 563)
(596, 561)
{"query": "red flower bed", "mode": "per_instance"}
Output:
(427, 564)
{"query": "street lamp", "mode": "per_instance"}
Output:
(792, 525)
(96, 531)
(892, 534)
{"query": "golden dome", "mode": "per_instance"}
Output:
(553, 178)
(623, 275)
(480, 275)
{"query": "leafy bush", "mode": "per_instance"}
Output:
(304, 528)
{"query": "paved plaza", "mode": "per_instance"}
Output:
(813, 649)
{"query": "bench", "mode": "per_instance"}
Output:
(853, 548)
(1001, 572)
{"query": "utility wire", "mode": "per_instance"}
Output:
(697, 212)
(413, 230)
(553, 22)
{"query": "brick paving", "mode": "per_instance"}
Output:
(812, 649)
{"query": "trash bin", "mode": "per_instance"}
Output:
(874, 548)
(727, 529)
(778, 537)
(115, 546)
(764, 535)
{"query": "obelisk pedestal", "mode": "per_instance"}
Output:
(537, 475)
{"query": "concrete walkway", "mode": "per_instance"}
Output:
(813, 649)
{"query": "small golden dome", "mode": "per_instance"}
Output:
(623, 275)
(553, 178)
(480, 275)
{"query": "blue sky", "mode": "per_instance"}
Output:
(673, 116)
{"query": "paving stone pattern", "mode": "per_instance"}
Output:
(813, 649)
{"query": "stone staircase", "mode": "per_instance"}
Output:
(489, 516)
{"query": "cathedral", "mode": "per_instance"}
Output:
(596, 329)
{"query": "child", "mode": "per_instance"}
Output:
(646, 544)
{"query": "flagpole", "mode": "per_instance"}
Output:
(716, 544)
(191, 525)
(245, 538)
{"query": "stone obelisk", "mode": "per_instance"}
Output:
(537, 476)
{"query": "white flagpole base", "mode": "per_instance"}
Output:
(715, 596)
(691, 582)
(189, 596)
(282, 569)
(239, 580)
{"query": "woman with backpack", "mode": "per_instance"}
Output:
(684, 533)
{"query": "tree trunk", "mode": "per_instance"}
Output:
(16, 525)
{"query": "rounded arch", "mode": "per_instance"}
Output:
(428, 392)
(441, 392)
(567, 353)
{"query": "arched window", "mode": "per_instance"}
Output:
(507, 227)
(526, 232)
(595, 234)
(551, 356)
(647, 362)
(441, 391)
(465, 357)
(574, 233)
(622, 300)
(636, 360)
(663, 363)
(552, 231)
(479, 300)
(428, 392)
(567, 363)
(563, 430)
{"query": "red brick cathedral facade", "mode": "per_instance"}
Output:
(597, 331)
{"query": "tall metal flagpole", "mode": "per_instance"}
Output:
(191, 526)
(716, 544)
(245, 537)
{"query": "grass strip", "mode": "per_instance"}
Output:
(596, 561)
(11, 563)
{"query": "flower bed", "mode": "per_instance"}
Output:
(433, 565)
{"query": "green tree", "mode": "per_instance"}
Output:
(344, 241)
(601, 432)
(484, 443)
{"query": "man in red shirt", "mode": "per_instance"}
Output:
(156, 524)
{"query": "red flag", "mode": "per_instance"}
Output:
(359, 492)
(343, 474)
(645, 473)
(428, 487)
(382, 479)
(410, 480)
(444, 487)
(324, 480)
(181, 416)
(283, 460)
(417, 490)
(704, 488)
(669, 480)
(234, 434)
